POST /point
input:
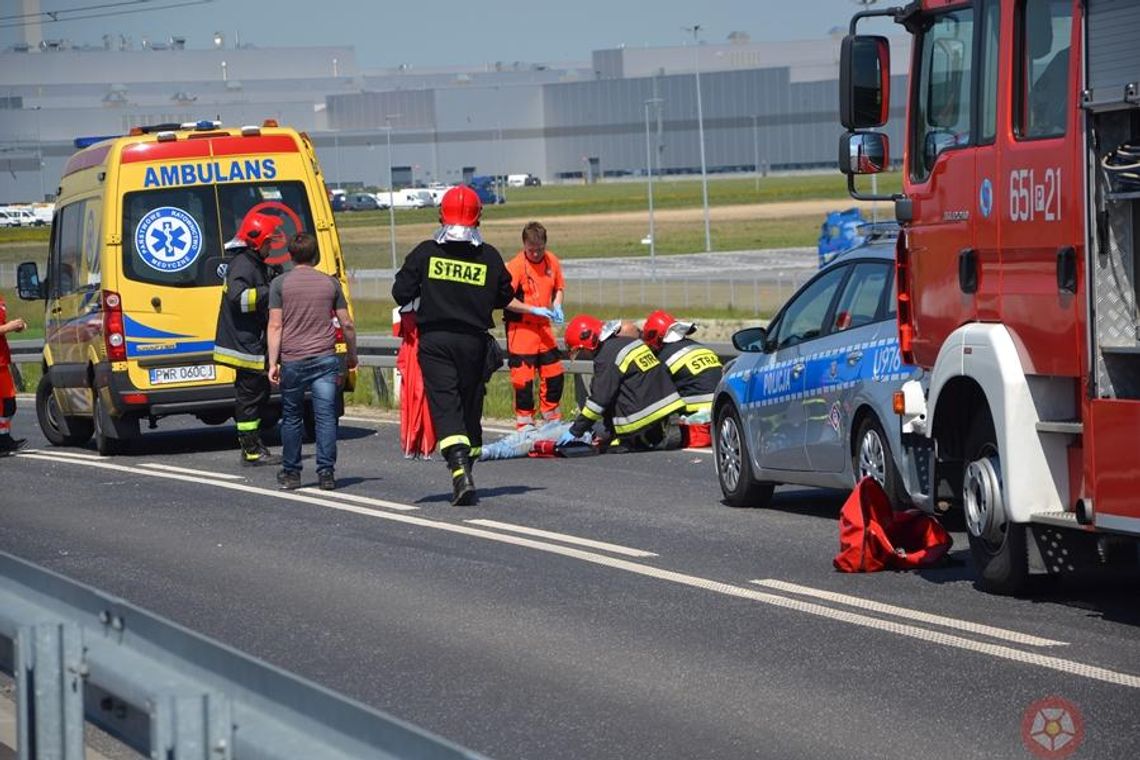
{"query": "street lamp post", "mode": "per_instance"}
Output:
(649, 173)
(40, 154)
(391, 206)
(695, 29)
(756, 152)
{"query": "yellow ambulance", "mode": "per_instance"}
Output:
(136, 265)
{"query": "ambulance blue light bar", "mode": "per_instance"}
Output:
(202, 125)
(85, 142)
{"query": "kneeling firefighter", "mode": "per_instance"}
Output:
(460, 281)
(630, 393)
(240, 340)
(695, 368)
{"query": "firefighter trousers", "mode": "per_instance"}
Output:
(251, 393)
(452, 367)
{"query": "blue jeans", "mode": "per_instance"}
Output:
(319, 374)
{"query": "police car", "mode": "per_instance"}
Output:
(809, 399)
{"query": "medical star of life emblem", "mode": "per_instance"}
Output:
(1052, 728)
(168, 239)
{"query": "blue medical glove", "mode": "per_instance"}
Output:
(559, 317)
(565, 438)
(541, 311)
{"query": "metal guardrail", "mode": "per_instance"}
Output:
(79, 654)
(374, 351)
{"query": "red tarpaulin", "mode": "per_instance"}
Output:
(417, 434)
(872, 536)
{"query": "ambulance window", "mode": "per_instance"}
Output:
(170, 236)
(286, 200)
(859, 304)
(942, 94)
(1043, 68)
(69, 263)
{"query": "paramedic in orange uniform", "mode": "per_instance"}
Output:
(536, 277)
(8, 444)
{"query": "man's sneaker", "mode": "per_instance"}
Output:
(326, 480)
(289, 479)
(10, 445)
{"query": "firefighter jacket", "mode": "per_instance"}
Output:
(630, 389)
(696, 370)
(459, 286)
(244, 314)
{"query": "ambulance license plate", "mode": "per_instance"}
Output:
(192, 374)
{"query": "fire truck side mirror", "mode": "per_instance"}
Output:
(864, 81)
(863, 153)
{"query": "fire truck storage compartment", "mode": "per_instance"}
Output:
(1113, 55)
(1115, 262)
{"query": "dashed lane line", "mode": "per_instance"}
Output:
(909, 614)
(563, 537)
(188, 471)
(65, 453)
(999, 651)
(365, 500)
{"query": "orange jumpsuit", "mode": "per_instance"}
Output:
(531, 343)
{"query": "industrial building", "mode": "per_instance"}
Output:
(765, 106)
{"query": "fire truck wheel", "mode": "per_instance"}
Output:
(58, 429)
(872, 457)
(733, 464)
(997, 545)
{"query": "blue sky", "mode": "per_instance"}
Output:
(448, 32)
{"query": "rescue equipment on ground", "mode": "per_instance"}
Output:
(873, 537)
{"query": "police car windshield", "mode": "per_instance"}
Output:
(175, 235)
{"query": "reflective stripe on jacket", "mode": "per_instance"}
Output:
(695, 369)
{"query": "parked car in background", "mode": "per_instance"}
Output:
(809, 399)
(412, 198)
(361, 202)
(9, 218)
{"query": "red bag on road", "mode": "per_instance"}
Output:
(872, 537)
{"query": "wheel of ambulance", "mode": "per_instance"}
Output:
(105, 444)
(872, 457)
(733, 464)
(997, 545)
(52, 420)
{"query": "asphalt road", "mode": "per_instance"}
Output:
(682, 636)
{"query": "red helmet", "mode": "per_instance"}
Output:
(583, 333)
(655, 327)
(662, 327)
(255, 229)
(460, 206)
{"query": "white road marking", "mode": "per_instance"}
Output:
(565, 538)
(63, 453)
(188, 471)
(366, 500)
(904, 612)
(705, 450)
(1000, 651)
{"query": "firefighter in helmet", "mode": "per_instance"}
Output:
(240, 340)
(695, 368)
(459, 281)
(631, 393)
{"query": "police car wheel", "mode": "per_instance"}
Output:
(872, 457)
(998, 545)
(734, 465)
(58, 429)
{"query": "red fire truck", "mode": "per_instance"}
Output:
(1017, 269)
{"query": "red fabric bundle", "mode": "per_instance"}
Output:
(417, 434)
(696, 435)
(873, 537)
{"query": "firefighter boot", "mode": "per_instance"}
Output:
(253, 452)
(462, 484)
